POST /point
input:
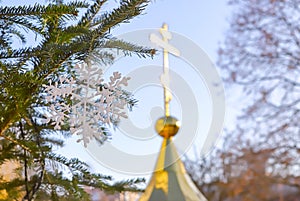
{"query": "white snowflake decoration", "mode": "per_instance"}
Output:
(94, 103)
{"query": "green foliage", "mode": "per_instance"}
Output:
(62, 37)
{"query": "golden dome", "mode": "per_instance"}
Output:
(167, 126)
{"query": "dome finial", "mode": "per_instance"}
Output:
(167, 126)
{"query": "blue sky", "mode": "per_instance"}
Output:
(204, 22)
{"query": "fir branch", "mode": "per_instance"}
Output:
(25, 160)
(15, 32)
(72, 164)
(17, 142)
(18, 53)
(91, 13)
(21, 84)
(25, 23)
(128, 185)
(128, 48)
(37, 9)
(126, 11)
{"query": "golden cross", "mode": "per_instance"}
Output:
(165, 77)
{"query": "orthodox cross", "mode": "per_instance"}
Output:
(165, 77)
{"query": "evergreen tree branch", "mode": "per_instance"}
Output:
(37, 10)
(25, 164)
(15, 142)
(23, 72)
(87, 19)
(128, 48)
(25, 23)
(127, 10)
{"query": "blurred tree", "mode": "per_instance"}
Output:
(261, 54)
(242, 172)
(260, 59)
(54, 37)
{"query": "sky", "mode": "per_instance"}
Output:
(203, 22)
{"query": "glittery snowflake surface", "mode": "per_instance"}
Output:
(94, 103)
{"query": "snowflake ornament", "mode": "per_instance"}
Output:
(94, 103)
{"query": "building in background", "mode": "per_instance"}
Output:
(8, 172)
(99, 195)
